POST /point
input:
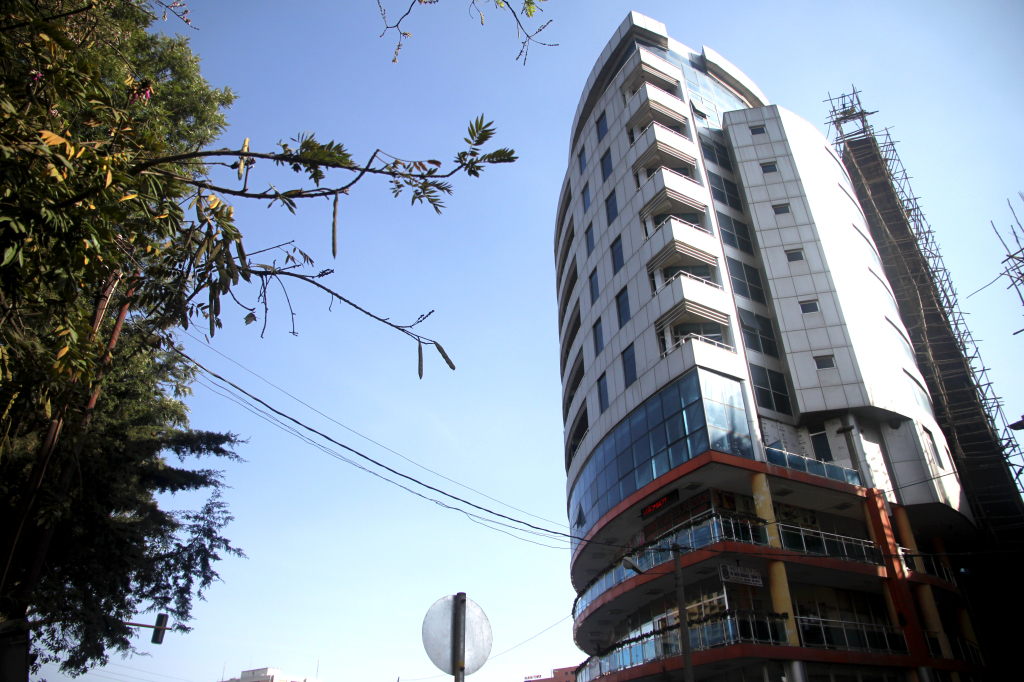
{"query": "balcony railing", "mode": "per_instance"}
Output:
(812, 466)
(815, 542)
(678, 220)
(682, 175)
(714, 529)
(698, 337)
(662, 125)
(836, 634)
(754, 627)
(684, 273)
(926, 563)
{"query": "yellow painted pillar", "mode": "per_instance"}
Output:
(907, 534)
(930, 614)
(763, 505)
(963, 616)
(782, 602)
(940, 548)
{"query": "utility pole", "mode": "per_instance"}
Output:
(684, 627)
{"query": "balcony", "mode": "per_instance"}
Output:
(961, 649)
(812, 466)
(680, 222)
(728, 628)
(810, 541)
(710, 531)
(849, 636)
(926, 563)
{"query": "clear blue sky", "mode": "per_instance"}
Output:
(341, 567)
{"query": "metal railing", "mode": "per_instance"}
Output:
(926, 563)
(682, 175)
(960, 649)
(815, 542)
(689, 275)
(708, 532)
(678, 220)
(812, 466)
(837, 634)
(662, 125)
(705, 339)
(757, 628)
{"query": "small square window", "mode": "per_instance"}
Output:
(780, 209)
(598, 337)
(825, 361)
(757, 130)
(583, 159)
(595, 289)
(809, 307)
(622, 307)
(586, 197)
(617, 256)
(589, 235)
(769, 167)
(629, 365)
(602, 392)
(795, 255)
(611, 208)
(606, 165)
(602, 127)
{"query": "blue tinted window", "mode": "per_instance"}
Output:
(622, 307)
(583, 159)
(770, 390)
(586, 198)
(602, 392)
(598, 337)
(589, 234)
(595, 289)
(617, 257)
(611, 208)
(602, 127)
(606, 165)
(629, 364)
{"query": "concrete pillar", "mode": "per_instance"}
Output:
(795, 671)
(782, 602)
(940, 549)
(930, 614)
(763, 505)
(899, 513)
(963, 617)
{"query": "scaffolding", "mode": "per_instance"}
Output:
(989, 461)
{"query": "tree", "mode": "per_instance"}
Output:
(106, 146)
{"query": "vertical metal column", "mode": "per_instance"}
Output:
(459, 637)
(684, 627)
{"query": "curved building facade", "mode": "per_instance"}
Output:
(739, 389)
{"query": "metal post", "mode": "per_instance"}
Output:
(684, 628)
(459, 638)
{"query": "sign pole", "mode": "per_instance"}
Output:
(459, 637)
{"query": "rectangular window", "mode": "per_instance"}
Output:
(606, 165)
(595, 289)
(602, 392)
(809, 307)
(770, 390)
(611, 208)
(617, 258)
(629, 365)
(622, 307)
(795, 255)
(758, 333)
(734, 233)
(934, 450)
(825, 362)
(725, 191)
(757, 130)
(715, 153)
(598, 337)
(746, 281)
(589, 234)
(602, 126)
(586, 197)
(781, 209)
(769, 167)
(819, 443)
(582, 156)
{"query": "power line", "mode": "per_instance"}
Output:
(140, 670)
(377, 443)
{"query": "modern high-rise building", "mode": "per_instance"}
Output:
(740, 390)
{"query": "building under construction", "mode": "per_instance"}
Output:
(988, 458)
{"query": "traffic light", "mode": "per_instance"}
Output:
(160, 629)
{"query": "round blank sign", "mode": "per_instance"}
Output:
(437, 635)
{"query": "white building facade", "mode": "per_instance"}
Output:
(737, 380)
